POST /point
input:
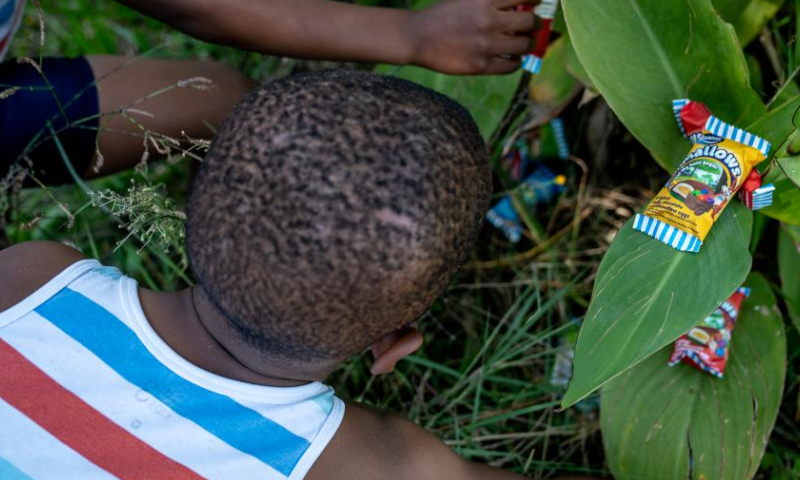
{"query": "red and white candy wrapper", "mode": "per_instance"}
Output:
(753, 194)
(546, 10)
(706, 346)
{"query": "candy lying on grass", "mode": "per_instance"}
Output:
(553, 142)
(540, 186)
(720, 163)
(546, 10)
(562, 368)
(706, 346)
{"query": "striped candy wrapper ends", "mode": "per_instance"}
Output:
(532, 62)
(753, 194)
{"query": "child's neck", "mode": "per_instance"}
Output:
(181, 320)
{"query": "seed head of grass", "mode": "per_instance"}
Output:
(147, 213)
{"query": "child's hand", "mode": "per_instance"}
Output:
(469, 36)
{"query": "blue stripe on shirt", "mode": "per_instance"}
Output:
(7, 11)
(10, 472)
(115, 344)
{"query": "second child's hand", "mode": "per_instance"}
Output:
(450, 36)
(472, 36)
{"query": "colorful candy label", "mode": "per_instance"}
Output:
(685, 209)
(706, 346)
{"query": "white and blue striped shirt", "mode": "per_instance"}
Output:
(10, 18)
(88, 390)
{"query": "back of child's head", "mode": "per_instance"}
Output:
(333, 208)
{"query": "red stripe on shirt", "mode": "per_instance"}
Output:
(5, 40)
(79, 426)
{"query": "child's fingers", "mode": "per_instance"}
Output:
(514, 3)
(511, 45)
(502, 65)
(516, 22)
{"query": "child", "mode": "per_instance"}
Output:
(330, 212)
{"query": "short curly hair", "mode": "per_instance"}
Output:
(333, 208)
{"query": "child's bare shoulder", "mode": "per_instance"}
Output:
(26, 266)
(372, 444)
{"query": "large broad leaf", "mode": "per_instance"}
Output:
(620, 329)
(788, 268)
(487, 98)
(574, 64)
(647, 294)
(748, 17)
(642, 54)
(677, 423)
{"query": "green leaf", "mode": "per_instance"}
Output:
(788, 266)
(647, 294)
(794, 232)
(785, 201)
(748, 17)
(554, 86)
(574, 65)
(788, 154)
(677, 423)
(756, 75)
(642, 54)
(486, 97)
(791, 165)
(779, 126)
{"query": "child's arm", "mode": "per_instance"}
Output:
(451, 36)
(371, 444)
(26, 266)
(123, 83)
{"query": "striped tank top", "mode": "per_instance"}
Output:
(88, 391)
(10, 18)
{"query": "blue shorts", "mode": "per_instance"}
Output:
(26, 114)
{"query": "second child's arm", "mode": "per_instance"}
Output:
(451, 36)
(371, 444)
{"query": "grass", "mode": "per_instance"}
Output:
(483, 383)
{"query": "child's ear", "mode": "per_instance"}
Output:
(393, 347)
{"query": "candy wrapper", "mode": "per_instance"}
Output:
(506, 219)
(721, 159)
(538, 187)
(706, 345)
(753, 194)
(562, 368)
(561, 138)
(552, 143)
(546, 10)
(518, 158)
